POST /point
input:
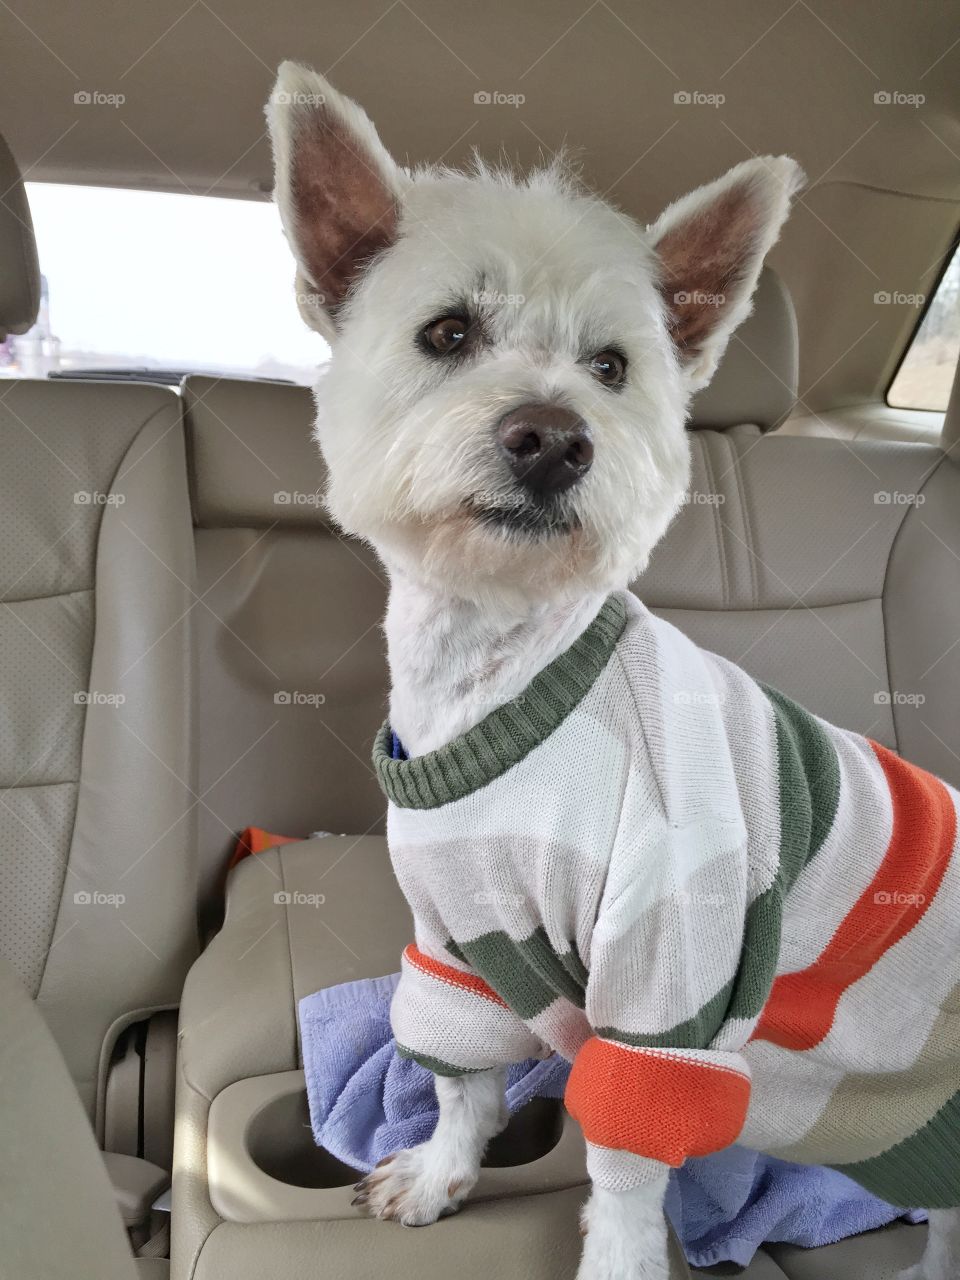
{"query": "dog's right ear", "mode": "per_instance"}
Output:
(337, 188)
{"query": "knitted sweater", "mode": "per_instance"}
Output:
(737, 921)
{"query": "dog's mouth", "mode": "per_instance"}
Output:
(526, 516)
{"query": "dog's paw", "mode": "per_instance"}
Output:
(414, 1187)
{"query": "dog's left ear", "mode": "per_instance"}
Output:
(711, 246)
(337, 187)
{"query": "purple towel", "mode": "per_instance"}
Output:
(367, 1102)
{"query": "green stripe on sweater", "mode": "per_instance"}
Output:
(436, 1065)
(693, 1033)
(508, 733)
(528, 974)
(924, 1169)
(809, 791)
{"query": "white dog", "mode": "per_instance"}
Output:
(614, 845)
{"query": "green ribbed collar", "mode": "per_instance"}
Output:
(510, 732)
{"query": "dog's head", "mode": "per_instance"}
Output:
(512, 358)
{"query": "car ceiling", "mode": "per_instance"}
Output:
(797, 76)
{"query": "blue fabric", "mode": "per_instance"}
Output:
(367, 1102)
(397, 751)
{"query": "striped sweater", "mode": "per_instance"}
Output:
(736, 921)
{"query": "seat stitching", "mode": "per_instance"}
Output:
(747, 524)
(718, 528)
(53, 595)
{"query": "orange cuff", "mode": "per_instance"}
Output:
(665, 1104)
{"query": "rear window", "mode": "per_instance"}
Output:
(145, 280)
(925, 376)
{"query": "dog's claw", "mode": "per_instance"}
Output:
(360, 1199)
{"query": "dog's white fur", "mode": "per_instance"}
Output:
(553, 275)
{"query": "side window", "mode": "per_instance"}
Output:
(925, 375)
(143, 280)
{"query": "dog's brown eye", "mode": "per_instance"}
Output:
(609, 367)
(445, 335)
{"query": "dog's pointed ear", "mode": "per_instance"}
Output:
(336, 185)
(711, 245)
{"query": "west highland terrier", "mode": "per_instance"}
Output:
(737, 922)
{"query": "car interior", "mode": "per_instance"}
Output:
(191, 648)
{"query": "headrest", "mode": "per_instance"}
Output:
(19, 269)
(757, 378)
(253, 462)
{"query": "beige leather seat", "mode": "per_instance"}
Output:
(58, 1215)
(97, 880)
(807, 561)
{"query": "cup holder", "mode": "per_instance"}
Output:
(264, 1166)
(532, 1131)
(280, 1142)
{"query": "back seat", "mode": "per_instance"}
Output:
(97, 912)
(825, 568)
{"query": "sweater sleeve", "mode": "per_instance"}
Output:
(661, 1079)
(448, 1019)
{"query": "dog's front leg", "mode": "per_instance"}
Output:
(625, 1234)
(424, 1183)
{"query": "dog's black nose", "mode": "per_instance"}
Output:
(547, 447)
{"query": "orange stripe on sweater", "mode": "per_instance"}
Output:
(446, 973)
(802, 1006)
(653, 1104)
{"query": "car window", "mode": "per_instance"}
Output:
(146, 280)
(925, 376)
